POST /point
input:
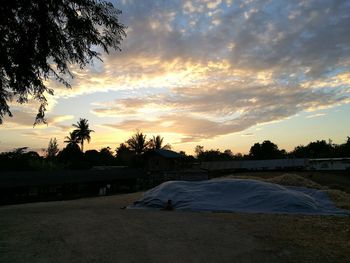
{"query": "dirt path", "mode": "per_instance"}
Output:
(97, 230)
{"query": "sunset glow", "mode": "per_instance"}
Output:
(222, 74)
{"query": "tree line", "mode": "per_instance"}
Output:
(131, 152)
(73, 156)
(269, 150)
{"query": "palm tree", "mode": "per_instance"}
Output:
(138, 142)
(157, 143)
(72, 139)
(82, 132)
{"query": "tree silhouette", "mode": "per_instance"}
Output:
(106, 156)
(122, 148)
(124, 154)
(52, 148)
(213, 155)
(92, 157)
(72, 156)
(20, 159)
(157, 143)
(198, 150)
(72, 139)
(40, 39)
(138, 143)
(82, 132)
(266, 150)
(317, 149)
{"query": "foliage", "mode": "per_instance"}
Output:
(124, 154)
(198, 150)
(20, 159)
(187, 160)
(122, 148)
(214, 155)
(92, 157)
(72, 157)
(157, 143)
(82, 132)
(316, 149)
(138, 143)
(99, 158)
(322, 149)
(40, 39)
(106, 156)
(52, 149)
(72, 139)
(343, 150)
(266, 150)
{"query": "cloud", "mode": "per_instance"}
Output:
(120, 107)
(310, 38)
(190, 127)
(37, 135)
(316, 115)
(25, 120)
(201, 114)
(293, 42)
(221, 102)
(208, 68)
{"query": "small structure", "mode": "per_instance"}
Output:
(163, 160)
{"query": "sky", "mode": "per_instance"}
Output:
(224, 74)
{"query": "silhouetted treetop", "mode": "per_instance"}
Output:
(266, 150)
(72, 140)
(40, 38)
(317, 149)
(52, 148)
(82, 132)
(157, 143)
(138, 142)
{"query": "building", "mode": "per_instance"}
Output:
(163, 160)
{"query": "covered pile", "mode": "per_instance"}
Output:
(238, 195)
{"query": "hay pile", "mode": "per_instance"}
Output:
(340, 198)
(295, 180)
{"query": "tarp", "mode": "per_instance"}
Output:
(238, 195)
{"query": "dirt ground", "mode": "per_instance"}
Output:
(97, 230)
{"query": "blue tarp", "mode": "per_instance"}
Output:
(239, 195)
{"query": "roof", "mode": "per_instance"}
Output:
(167, 153)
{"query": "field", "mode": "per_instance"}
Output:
(97, 230)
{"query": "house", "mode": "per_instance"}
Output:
(163, 160)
